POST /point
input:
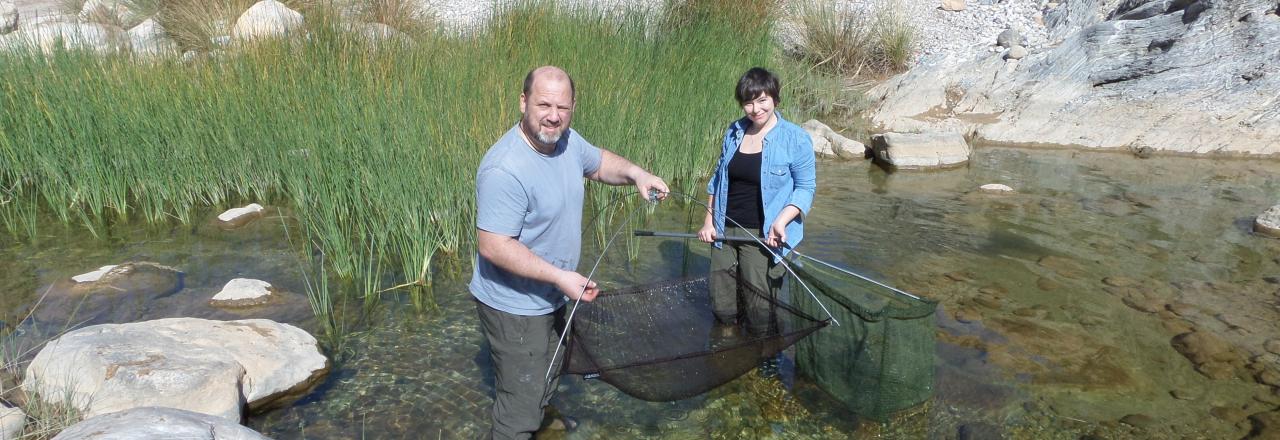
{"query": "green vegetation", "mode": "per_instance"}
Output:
(373, 149)
(838, 40)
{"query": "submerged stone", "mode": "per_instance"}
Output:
(242, 292)
(158, 423)
(1268, 222)
(96, 275)
(921, 150)
(237, 217)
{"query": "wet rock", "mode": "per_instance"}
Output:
(1063, 266)
(11, 421)
(158, 423)
(1266, 425)
(119, 293)
(920, 150)
(1091, 320)
(1229, 414)
(1183, 395)
(1143, 305)
(1272, 346)
(967, 315)
(243, 292)
(959, 276)
(990, 303)
(1120, 281)
(994, 291)
(979, 431)
(89, 277)
(211, 367)
(1027, 312)
(995, 188)
(1268, 222)
(1212, 356)
(1047, 285)
(1268, 397)
(266, 19)
(1269, 377)
(1139, 420)
(237, 217)
(1178, 326)
(1182, 309)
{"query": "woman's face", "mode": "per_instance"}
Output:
(759, 109)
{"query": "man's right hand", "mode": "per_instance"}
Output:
(574, 285)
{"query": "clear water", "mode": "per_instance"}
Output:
(1040, 333)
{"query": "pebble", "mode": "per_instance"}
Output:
(1229, 414)
(1182, 395)
(996, 188)
(1272, 346)
(959, 276)
(1138, 420)
(1016, 53)
(1183, 309)
(1027, 312)
(1269, 377)
(1047, 285)
(967, 315)
(1119, 281)
(990, 303)
(1143, 305)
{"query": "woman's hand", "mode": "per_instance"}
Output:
(707, 234)
(777, 234)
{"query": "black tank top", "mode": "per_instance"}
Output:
(744, 203)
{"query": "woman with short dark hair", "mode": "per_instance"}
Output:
(763, 187)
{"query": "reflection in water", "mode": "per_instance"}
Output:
(1109, 296)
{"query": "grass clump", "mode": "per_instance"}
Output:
(838, 40)
(373, 147)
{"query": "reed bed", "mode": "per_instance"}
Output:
(373, 146)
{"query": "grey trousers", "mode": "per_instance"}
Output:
(521, 348)
(750, 264)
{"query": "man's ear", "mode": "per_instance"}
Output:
(523, 102)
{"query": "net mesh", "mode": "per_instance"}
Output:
(660, 341)
(881, 359)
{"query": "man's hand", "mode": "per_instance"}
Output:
(649, 182)
(574, 285)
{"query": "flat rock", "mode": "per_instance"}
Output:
(89, 277)
(920, 150)
(1138, 420)
(953, 5)
(211, 367)
(995, 188)
(243, 292)
(158, 423)
(1268, 222)
(266, 19)
(117, 294)
(12, 420)
(237, 217)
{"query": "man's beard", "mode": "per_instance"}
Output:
(549, 139)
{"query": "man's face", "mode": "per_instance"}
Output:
(759, 109)
(547, 109)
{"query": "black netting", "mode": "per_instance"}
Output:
(660, 341)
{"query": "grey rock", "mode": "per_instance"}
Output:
(827, 142)
(1015, 53)
(266, 19)
(1184, 81)
(1268, 222)
(920, 150)
(149, 38)
(8, 16)
(51, 34)
(1009, 38)
(12, 420)
(953, 5)
(158, 423)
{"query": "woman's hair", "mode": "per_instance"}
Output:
(756, 81)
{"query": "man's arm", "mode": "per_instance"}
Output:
(511, 255)
(615, 170)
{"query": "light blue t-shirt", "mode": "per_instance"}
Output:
(537, 199)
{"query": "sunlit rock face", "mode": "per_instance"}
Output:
(158, 423)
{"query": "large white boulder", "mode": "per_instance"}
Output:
(149, 38)
(158, 423)
(920, 150)
(8, 16)
(237, 217)
(210, 367)
(829, 143)
(1268, 222)
(266, 19)
(49, 35)
(12, 420)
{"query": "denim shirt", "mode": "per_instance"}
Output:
(788, 176)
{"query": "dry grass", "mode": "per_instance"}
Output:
(838, 40)
(409, 16)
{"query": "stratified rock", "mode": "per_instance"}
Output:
(996, 188)
(953, 5)
(920, 150)
(266, 19)
(826, 142)
(211, 367)
(149, 38)
(11, 421)
(1130, 82)
(1268, 222)
(158, 423)
(237, 217)
(8, 16)
(243, 292)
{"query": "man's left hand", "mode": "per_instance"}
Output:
(649, 182)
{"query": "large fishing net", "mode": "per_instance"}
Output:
(661, 342)
(881, 360)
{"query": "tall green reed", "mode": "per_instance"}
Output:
(373, 145)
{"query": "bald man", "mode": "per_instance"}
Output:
(529, 192)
